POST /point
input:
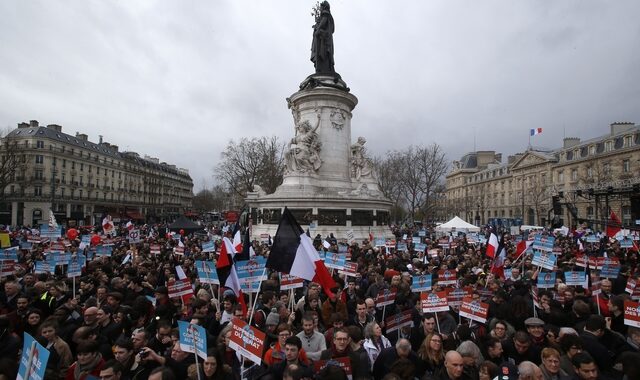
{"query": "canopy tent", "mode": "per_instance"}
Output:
(457, 224)
(183, 223)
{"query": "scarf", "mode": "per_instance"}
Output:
(80, 371)
(339, 354)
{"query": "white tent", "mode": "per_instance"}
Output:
(457, 224)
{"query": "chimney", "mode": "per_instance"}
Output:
(100, 136)
(114, 148)
(617, 127)
(81, 136)
(34, 124)
(55, 127)
(499, 157)
(23, 125)
(570, 141)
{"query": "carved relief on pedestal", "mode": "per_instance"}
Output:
(337, 118)
(361, 165)
(303, 152)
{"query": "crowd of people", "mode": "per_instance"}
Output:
(120, 323)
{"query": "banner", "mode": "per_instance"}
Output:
(631, 286)
(207, 273)
(606, 261)
(335, 260)
(252, 270)
(592, 239)
(379, 242)
(575, 278)
(7, 268)
(44, 266)
(193, 338)
(155, 249)
(419, 247)
(178, 251)
(33, 362)
(402, 247)
(344, 363)
(350, 269)
(610, 271)
(385, 297)
(546, 280)
(447, 277)
(247, 340)
(544, 260)
(398, 321)
(631, 313)
(434, 302)
(179, 288)
(474, 310)
(421, 283)
(288, 281)
(543, 243)
(626, 243)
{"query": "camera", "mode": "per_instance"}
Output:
(143, 354)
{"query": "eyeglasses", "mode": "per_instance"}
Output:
(284, 335)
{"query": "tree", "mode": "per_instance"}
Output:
(412, 178)
(9, 163)
(250, 162)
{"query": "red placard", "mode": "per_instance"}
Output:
(179, 288)
(632, 313)
(344, 363)
(155, 249)
(399, 320)
(434, 302)
(631, 286)
(288, 281)
(447, 277)
(350, 269)
(386, 297)
(7, 268)
(247, 340)
(602, 261)
(474, 310)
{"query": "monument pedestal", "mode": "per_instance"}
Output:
(322, 185)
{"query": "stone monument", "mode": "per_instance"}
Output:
(329, 183)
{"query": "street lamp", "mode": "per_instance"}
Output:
(478, 213)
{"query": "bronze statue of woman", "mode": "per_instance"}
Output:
(322, 45)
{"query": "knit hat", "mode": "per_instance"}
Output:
(273, 318)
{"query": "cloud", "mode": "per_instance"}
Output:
(178, 80)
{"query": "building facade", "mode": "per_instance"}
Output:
(82, 181)
(581, 182)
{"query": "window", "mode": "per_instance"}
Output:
(64, 179)
(574, 175)
(560, 176)
(37, 190)
(64, 163)
(589, 172)
(592, 149)
(627, 141)
(73, 165)
(54, 161)
(40, 144)
(81, 181)
(80, 193)
(625, 166)
(39, 159)
(39, 175)
(606, 168)
(608, 146)
(98, 171)
(81, 167)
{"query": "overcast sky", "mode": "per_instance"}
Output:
(178, 79)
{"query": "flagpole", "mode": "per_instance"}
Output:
(253, 307)
(195, 351)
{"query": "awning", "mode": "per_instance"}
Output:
(135, 215)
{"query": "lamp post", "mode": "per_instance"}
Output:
(478, 213)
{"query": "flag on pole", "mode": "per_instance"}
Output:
(492, 245)
(535, 131)
(522, 247)
(245, 253)
(613, 225)
(233, 283)
(237, 238)
(226, 253)
(293, 253)
(497, 267)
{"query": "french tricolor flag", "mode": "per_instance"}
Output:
(536, 131)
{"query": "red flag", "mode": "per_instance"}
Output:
(492, 245)
(613, 227)
(522, 247)
(497, 267)
(227, 249)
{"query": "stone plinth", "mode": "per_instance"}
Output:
(330, 199)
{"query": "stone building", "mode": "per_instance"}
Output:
(82, 181)
(579, 182)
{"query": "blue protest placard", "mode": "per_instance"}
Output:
(626, 242)
(421, 283)
(343, 248)
(592, 238)
(209, 246)
(193, 338)
(610, 271)
(401, 247)
(74, 267)
(335, 260)
(33, 362)
(575, 278)
(252, 270)
(420, 247)
(380, 242)
(207, 273)
(104, 250)
(250, 287)
(26, 245)
(50, 232)
(546, 260)
(9, 254)
(546, 280)
(544, 243)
